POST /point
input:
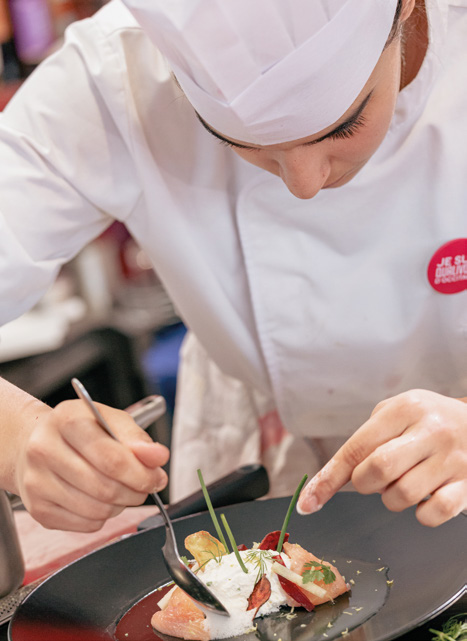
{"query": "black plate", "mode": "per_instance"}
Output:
(86, 600)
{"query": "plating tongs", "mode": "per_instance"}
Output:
(182, 575)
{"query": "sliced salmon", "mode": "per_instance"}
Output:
(299, 556)
(181, 618)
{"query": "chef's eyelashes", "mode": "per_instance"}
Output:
(234, 145)
(349, 129)
(342, 131)
(346, 131)
(220, 138)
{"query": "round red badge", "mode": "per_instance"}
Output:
(447, 271)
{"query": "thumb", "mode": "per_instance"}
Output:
(150, 454)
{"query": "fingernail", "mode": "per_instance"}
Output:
(162, 483)
(308, 505)
(158, 488)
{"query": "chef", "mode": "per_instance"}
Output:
(296, 173)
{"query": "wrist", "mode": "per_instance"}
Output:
(20, 413)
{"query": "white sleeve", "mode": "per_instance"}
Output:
(65, 169)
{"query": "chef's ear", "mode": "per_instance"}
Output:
(407, 7)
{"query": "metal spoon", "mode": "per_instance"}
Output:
(180, 573)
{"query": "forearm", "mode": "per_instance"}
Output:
(19, 412)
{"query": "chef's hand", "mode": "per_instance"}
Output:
(413, 446)
(71, 475)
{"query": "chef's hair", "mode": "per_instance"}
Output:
(395, 25)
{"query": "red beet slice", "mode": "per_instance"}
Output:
(271, 540)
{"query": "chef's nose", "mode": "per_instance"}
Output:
(304, 170)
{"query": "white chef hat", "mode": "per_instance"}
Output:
(269, 71)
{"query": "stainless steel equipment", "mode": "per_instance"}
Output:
(11, 558)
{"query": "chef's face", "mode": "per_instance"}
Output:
(332, 157)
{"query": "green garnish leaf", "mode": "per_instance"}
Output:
(289, 513)
(453, 630)
(185, 560)
(233, 544)
(318, 571)
(211, 511)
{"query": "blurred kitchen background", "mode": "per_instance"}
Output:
(107, 320)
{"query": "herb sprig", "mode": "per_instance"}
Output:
(258, 559)
(318, 571)
(211, 511)
(289, 513)
(455, 629)
(233, 544)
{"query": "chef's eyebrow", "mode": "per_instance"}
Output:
(351, 120)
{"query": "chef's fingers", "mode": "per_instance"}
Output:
(47, 448)
(415, 485)
(391, 460)
(447, 502)
(67, 464)
(112, 458)
(56, 491)
(338, 471)
(438, 422)
(150, 454)
(57, 517)
(118, 463)
(122, 424)
(146, 455)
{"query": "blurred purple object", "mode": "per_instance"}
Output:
(33, 29)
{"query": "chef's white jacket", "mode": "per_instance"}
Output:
(322, 307)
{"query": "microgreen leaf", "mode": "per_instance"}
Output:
(318, 571)
(211, 511)
(289, 513)
(453, 630)
(312, 575)
(233, 544)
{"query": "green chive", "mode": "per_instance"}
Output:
(232, 543)
(289, 513)
(211, 511)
